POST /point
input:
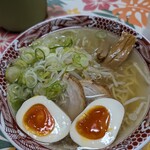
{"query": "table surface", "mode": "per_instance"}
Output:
(135, 13)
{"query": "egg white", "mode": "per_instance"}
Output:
(62, 121)
(116, 111)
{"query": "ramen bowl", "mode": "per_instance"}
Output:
(132, 135)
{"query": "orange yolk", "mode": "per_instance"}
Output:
(38, 120)
(94, 123)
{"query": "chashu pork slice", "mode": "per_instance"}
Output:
(72, 101)
(93, 91)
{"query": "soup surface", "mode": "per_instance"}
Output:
(41, 69)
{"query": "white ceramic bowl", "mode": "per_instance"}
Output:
(135, 140)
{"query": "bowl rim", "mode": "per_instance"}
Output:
(77, 15)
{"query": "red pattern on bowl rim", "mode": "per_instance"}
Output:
(7, 123)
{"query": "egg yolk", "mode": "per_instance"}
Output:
(38, 120)
(94, 123)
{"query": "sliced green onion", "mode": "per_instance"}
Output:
(80, 60)
(101, 34)
(45, 50)
(28, 58)
(27, 55)
(67, 43)
(31, 79)
(12, 73)
(41, 66)
(16, 104)
(14, 91)
(39, 89)
(54, 90)
(39, 54)
(27, 93)
(20, 63)
(40, 72)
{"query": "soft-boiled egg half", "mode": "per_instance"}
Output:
(43, 120)
(97, 126)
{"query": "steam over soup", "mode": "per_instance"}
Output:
(75, 67)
